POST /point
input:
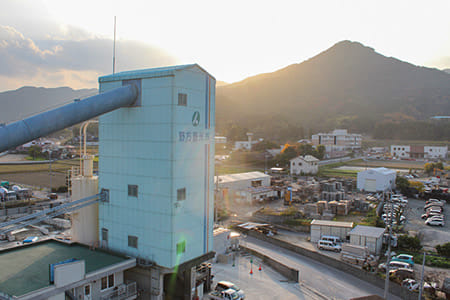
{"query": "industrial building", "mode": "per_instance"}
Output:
(244, 187)
(35, 271)
(320, 228)
(153, 198)
(307, 164)
(376, 180)
(368, 236)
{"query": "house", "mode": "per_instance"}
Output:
(419, 151)
(376, 180)
(307, 164)
(368, 236)
(320, 228)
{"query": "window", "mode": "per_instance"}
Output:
(182, 99)
(256, 183)
(132, 190)
(293, 163)
(132, 241)
(107, 282)
(181, 247)
(104, 234)
(181, 194)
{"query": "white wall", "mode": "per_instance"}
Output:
(298, 165)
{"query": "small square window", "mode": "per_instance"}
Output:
(182, 99)
(132, 190)
(181, 194)
(181, 247)
(132, 241)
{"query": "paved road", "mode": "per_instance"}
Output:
(324, 280)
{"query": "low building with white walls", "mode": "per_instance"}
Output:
(307, 164)
(419, 152)
(339, 142)
(58, 270)
(220, 139)
(244, 187)
(320, 228)
(376, 180)
(368, 236)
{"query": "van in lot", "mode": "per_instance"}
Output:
(336, 240)
(327, 245)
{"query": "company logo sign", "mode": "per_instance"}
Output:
(196, 118)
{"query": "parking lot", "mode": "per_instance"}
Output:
(414, 212)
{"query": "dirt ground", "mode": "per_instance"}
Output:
(35, 179)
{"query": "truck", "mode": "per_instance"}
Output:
(229, 294)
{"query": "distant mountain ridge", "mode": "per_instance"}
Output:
(27, 101)
(348, 85)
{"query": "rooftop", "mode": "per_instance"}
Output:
(332, 223)
(25, 269)
(240, 176)
(369, 231)
(149, 73)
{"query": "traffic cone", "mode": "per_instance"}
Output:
(251, 271)
(259, 267)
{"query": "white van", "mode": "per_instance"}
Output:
(331, 238)
(327, 245)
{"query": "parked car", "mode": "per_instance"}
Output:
(431, 213)
(435, 208)
(226, 285)
(30, 239)
(336, 240)
(413, 285)
(327, 245)
(404, 258)
(432, 200)
(435, 222)
(434, 204)
(402, 273)
(394, 265)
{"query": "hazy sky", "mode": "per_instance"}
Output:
(69, 43)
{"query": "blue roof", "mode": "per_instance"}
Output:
(148, 73)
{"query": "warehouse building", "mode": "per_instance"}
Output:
(368, 236)
(376, 180)
(320, 228)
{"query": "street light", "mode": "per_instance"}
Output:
(50, 164)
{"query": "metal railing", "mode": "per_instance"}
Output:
(124, 291)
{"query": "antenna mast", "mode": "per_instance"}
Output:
(114, 47)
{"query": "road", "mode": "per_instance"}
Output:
(325, 281)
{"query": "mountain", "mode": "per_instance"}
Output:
(347, 86)
(27, 101)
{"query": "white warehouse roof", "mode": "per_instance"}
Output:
(368, 231)
(332, 223)
(239, 177)
(383, 171)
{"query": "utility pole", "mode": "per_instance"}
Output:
(389, 218)
(421, 276)
(50, 164)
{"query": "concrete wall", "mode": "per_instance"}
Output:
(290, 273)
(394, 288)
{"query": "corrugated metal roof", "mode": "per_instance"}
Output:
(370, 231)
(240, 176)
(308, 158)
(148, 73)
(381, 170)
(332, 223)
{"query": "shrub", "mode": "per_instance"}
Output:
(444, 249)
(407, 242)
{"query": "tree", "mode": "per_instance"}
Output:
(35, 151)
(402, 184)
(428, 168)
(320, 151)
(409, 243)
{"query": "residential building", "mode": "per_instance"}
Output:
(307, 164)
(419, 151)
(338, 143)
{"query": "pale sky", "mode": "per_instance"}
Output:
(54, 43)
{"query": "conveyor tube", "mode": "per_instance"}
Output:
(21, 132)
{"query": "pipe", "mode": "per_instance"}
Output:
(21, 132)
